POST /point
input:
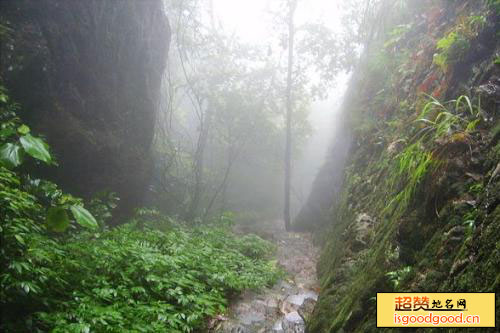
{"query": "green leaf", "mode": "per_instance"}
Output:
(57, 219)
(20, 239)
(11, 155)
(36, 147)
(6, 132)
(23, 129)
(83, 217)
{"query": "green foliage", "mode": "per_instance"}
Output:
(476, 188)
(441, 120)
(413, 164)
(252, 246)
(132, 280)
(102, 204)
(11, 155)
(443, 123)
(151, 217)
(458, 115)
(123, 280)
(416, 159)
(30, 210)
(57, 219)
(35, 147)
(396, 277)
(16, 140)
(83, 217)
(145, 276)
(451, 49)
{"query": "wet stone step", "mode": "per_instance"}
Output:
(283, 307)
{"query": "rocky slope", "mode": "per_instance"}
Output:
(414, 206)
(283, 307)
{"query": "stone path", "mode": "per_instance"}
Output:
(282, 308)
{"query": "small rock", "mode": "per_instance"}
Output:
(306, 309)
(491, 89)
(293, 323)
(233, 328)
(363, 217)
(474, 176)
(251, 317)
(294, 317)
(240, 329)
(278, 327)
(295, 299)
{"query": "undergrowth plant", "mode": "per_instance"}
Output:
(413, 164)
(131, 280)
(441, 125)
(17, 142)
(397, 276)
(442, 119)
(455, 44)
(35, 214)
(154, 274)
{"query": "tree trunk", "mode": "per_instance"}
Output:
(289, 106)
(221, 188)
(199, 164)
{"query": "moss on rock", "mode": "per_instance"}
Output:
(435, 232)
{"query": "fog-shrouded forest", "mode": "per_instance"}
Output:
(245, 166)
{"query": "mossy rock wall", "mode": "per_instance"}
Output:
(413, 212)
(89, 74)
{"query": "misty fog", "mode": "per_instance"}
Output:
(249, 166)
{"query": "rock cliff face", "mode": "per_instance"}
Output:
(418, 206)
(89, 76)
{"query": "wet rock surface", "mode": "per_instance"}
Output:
(282, 308)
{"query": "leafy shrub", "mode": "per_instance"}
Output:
(130, 280)
(16, 141)
(102, 204)
(451, 49)
(33, 212)
(252, 246)
(150, 275)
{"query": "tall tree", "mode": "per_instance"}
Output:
(292, 6)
